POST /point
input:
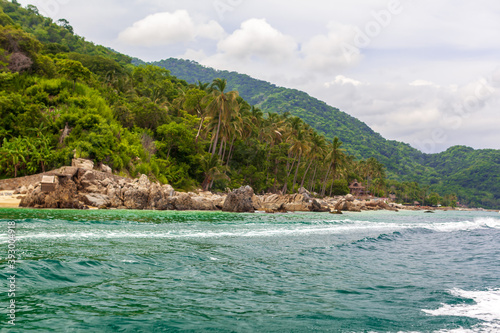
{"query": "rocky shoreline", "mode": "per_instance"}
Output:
(82, 187)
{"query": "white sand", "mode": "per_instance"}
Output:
(9, 200)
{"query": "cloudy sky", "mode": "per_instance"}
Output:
(423, 72)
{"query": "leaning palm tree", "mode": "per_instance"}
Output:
(221, 107)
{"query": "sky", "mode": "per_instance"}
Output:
(424, 72)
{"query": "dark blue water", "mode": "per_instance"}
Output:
(136, 271)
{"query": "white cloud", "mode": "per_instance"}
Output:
(423, 83)
(211, 30)
(428, 116)
(257, 38)
(169, 28)
(342, 80)
(333, 50)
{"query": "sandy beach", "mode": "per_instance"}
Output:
(9, 200)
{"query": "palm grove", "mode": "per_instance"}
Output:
(63, 97)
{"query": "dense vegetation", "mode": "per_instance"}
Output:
(62, 96)
(473, 175)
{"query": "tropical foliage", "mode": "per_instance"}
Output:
(63, 97)
(472, 175)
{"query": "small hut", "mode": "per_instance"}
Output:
(357, 189)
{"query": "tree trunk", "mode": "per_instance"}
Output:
(288, 173)
(199, 129)
(230, 150)
(205, 183)
(333, 178)
(214, 148)
(305, 173)
(296, 173)
(222, 149)
(313, 179)
(324, 182)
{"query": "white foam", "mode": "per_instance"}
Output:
(339, 227)
(485, 308)
(269, 231)
(478, 223)
(481, 328)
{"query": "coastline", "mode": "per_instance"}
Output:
(83, 187)
(8, 199)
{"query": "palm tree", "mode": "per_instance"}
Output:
(221, 107)
(272, 135)
(204, 86)
(336, 158)
(317, 146)
(301, 147)
(293, 126)
(213, 170)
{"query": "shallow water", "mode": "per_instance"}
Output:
(143, 271)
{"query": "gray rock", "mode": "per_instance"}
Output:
(183, 201)
(156, 195)
(168, 190)
(135, 197)
(144, 181)
(305, 193)
(96, 200)
(106, 169)
(82, 163)
(106, 182)
(240, 201)
(65, 195)
(114, 195)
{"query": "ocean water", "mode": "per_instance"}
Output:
(143, 271)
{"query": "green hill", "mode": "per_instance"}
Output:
(62, 96)
(472, 174)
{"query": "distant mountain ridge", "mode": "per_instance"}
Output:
(474, 175)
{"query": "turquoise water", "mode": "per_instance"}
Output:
(139, 271)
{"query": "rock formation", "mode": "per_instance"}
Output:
(240, 201)
(81, 186)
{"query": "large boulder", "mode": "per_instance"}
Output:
(88, 181)
(96, 200)
(65, 195)
(274, 208)
(115, 196)
(316, 206)
(156, 195)
(35, 198)
(203, 203)
(135, 196)
(341, 205)
(305, 193)
(182, 201)
(240, 201)
(352, 207)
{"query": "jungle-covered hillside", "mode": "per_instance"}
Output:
(62, 96)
